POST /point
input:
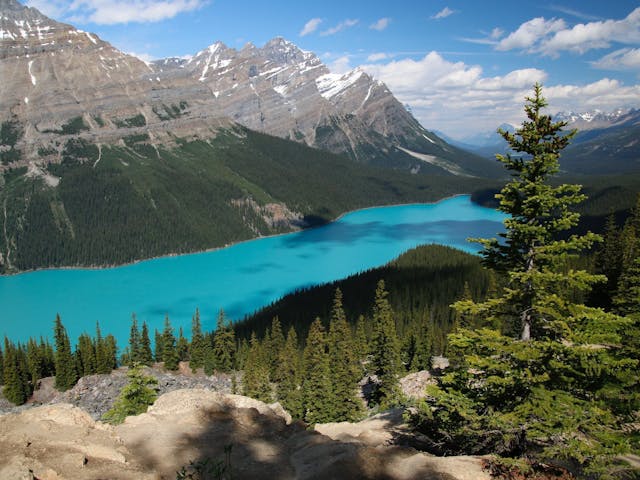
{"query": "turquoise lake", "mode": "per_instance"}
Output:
(239, 279)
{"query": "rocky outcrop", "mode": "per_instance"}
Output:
(183, 426)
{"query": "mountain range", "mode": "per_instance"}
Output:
(107, 159)
(605, 143)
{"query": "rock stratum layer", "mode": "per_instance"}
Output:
(64, 442)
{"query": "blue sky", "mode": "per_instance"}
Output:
(463, 66)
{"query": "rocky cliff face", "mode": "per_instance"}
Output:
(58, 80)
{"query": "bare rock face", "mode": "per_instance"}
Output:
(64, 442)
(59, 82)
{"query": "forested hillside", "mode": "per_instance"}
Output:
(114, 204)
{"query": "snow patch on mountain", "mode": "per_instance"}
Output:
(332, 84)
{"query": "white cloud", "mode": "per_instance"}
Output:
(145, 57)
(444, 13)
(586, 36)
(459, 99)
(311, 26)
(376, 57)
(380, 24)
(496, 33)
(530, 33)
(623, 59)
(550, 37)
(339, 27)
(341, 65)
(108, 12)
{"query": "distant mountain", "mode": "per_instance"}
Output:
(484, 144)
(60, 80)
(613, 147)
(106, 159)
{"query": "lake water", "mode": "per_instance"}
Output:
(238, 279)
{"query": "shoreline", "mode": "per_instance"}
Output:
(213, 249)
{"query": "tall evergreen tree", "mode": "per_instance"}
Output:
(111, 349)
(182, 346)
(197, 349)
(361, 343)
(256, 372)
(85, 352)
(289, 386)
(343, 365)
(385, 349)
(103, 364)
(224, 344)
(146, 356)
(1, 367)
(566, 367)
(15, 388)
(35, 361)
(66, 375)
(273, 348)
(134, 342)
(317, 396)
(158, 346)
(169, 352)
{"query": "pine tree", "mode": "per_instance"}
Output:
(289, 387)
(256, 372)
(273, 347)
(182, 346)
(385, 350)
(361, 344)
(111, 348)
(35, 361)
(15, 390)
(134, 342)
(85, 352)
(146, 356)
(317, 396)
(169, 352)
(158, 342)
(224, 344)
(103, 365)
(343, 365)
(1, 367)
(565, 365)
(134, 398)
(66, 375)
(197, 349)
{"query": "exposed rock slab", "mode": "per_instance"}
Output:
(64, 442)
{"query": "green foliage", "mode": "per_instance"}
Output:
(256, 373)
(134, 398)
(135, 121)
(66, 375)
(562, 391)
(290, 376)
(198, 348)
(169, 351)
(224, 344)
(86, 356)
(134, 343)
(73, 126)
(385, 350)
(344, 366)
(182, 347)
(317, 394)
(15, 376)
(10, 133)
(145, 354)
(143, 202)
